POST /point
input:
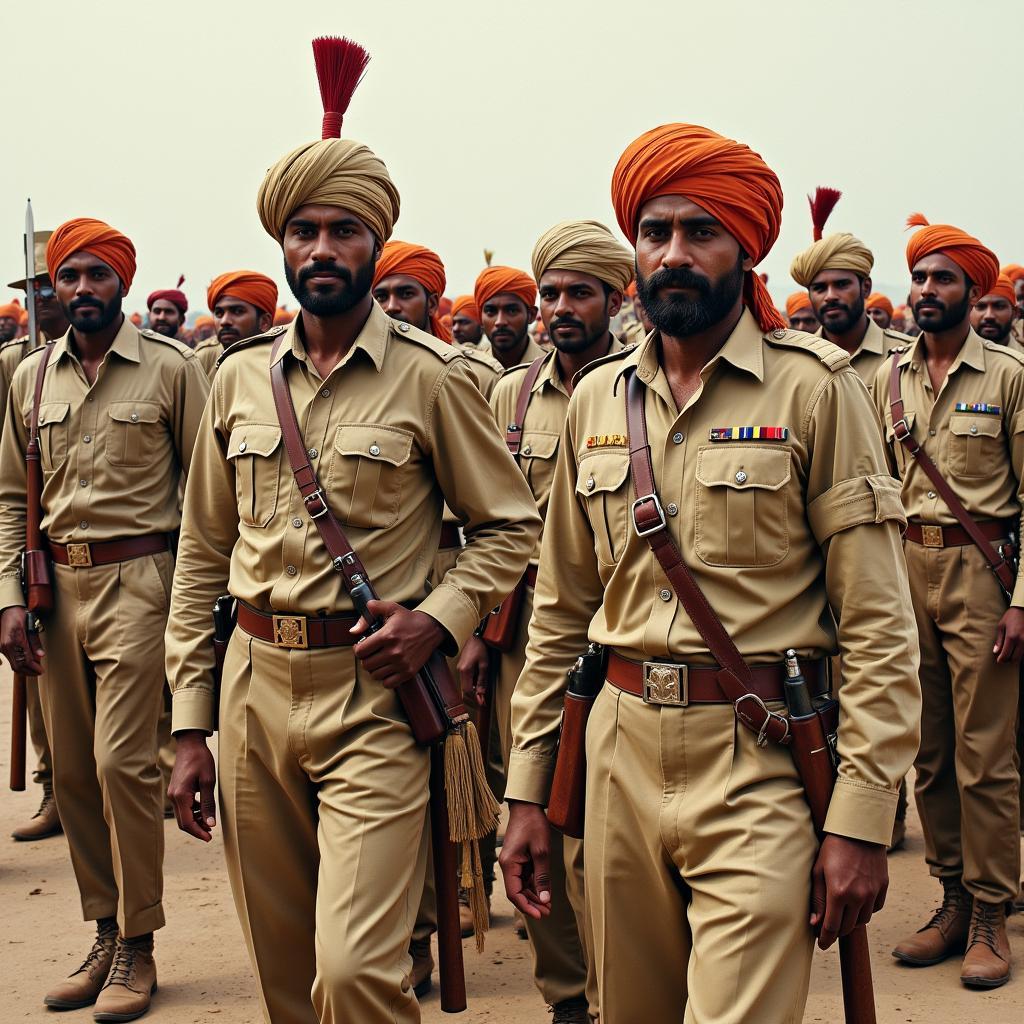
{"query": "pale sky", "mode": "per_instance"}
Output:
(496, 121)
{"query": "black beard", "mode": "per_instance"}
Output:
(680, 318)
(572, 347)
(949, 316)
(167, 330)
(108, 314)
(853, 313)
(1002, 332)
(357, 287)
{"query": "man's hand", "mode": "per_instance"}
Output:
(401, 647)
(474, 670)
(20, 647)
(524, 859)
(193, 777)
(1009, 644)
(848, 885)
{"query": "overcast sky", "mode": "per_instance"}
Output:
(497, 120)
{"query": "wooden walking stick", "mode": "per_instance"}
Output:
(18, 710)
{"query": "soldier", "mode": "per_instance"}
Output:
(506, 298)
(205, 327)
(800, 313)
(994, 315)
(243, 303)
(880, 309)
(10, 316)
(118, 414)
(167, 308)
(699, 846)
(312, 735)
(962, 403)
(467, 330)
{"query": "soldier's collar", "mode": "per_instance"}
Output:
(125, 343)
(372, 339)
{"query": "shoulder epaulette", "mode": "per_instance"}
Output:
(898, 336)
(207, 343)
(832, 356)
(611, 357)
(179, 346)
(36, 351)
(994, 346)
(441, 349)
(11, 342)
(256, 339)
(481, 357)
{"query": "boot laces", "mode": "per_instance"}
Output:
(955, 901)
(100, 950)
(46, 804)
(983, 924)
(122, 971)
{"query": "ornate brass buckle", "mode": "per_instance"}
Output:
(931, 536)
(79, 556)
(666, 684)
(290, 632)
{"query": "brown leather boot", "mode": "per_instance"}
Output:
(988, 961)
(131, 983)
(44, 823)
(82, 988)
(420, 977)
(571, 1011)
(945, 934)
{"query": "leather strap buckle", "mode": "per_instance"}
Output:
(79, 556)
(290, 632)
(318, 496)
(666, 684)
(659, 524)
(762, 734)
(931, 536)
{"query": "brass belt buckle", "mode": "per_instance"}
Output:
(290, 632)
(79, 556)
(666, 684)
(931, 536)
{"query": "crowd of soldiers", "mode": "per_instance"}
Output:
(471, 451)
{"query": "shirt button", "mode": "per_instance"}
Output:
(134, 417)
(931, 494)
(83, 483)
(678, 438)
(87, 438)
(931, 433)
(89, 399)
(672, 508)
(297, 523)
(741, 477)
(665, 595)
(404, 328)
(83, 525)
(312, 453)
(591, 483)
(291, 570)
(242, 447)
(325, 393)
(527, 450)
(374, 449)
(974, 428)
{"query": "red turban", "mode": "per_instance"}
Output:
(248, 285)
(724, 177)
(974, 259)
(466, 305)
(1003, 289)
(876, 300)
(504, 280)
(1014, 271)
(422, 265)
(172, 295)
(85, 234)
(796, 302)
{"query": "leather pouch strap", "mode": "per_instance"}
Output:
(37, 397)
(514, 431)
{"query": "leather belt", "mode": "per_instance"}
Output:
(666, 682)
(930, 536)
(450, 537)
(106, 552)
(298, 632)
(531, 576)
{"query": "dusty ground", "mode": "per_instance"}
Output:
(205, 976)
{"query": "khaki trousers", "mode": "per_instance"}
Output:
(323, 798)
(558, 941)
(37, 731)
(699, 849)
(967, 784)
(101, 696)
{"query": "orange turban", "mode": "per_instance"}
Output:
(724, 177)
(85, 234)
(974, 259)
(466, 305)
(1014, 271)
(504, 280)
(136, 318)
(204, 321)
(23, 319)
(876, 300)
(1003, 288)
(283, 315)
(12, 310)
(248, 285)
(422, 265)
(796, 302)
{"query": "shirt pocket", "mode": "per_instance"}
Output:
(134, 433)
(602, 489)
(53, 434)
(537, 461)
(254, 449)
(976, 444)
(367, 468)
(899, 451)
(741, 514)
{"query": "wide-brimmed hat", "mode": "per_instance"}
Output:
(39, 240)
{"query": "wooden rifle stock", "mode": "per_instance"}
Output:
(18, 711)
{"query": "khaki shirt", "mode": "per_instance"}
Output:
(980, 454)
(482, 347)
(874, 349)
(397, 428)
(112, 453)
(776, 533)
(208, 352)
(11, 354)
(531, 352)
(485, 369)
(543, 425)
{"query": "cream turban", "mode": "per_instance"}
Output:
(840, 251)
(586, 246)
(336, 172)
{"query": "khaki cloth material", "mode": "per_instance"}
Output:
(207, 353)
(873, 350)
(776, 534)
(531, 352)
(967, 787)
(699, 850)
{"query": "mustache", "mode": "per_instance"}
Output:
(679, 277)
(565, 321)
(324, 267)
(78, 304)
(931, 303)
(828, 307)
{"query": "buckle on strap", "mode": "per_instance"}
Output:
(79, 556)
(661, 522)
(317, 495)
(762, 735)
(290, 632)
(931, 536)
(666, 684)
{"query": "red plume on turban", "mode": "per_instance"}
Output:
(822, 203)
(977, 261)
(421, 264)
(86, 234)
(248, 285)
(340, 66)
(504, 280)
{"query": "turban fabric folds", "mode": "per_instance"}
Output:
(796, 302)
(876, 300)
(977, 261)
(421, 264)
(173, 295)
(11, 310)
(725, 178)
(85, 234)
(466, 305)
(841, 251)
(248, 285)
(1014, 271)
(504, 280)
(586, 246)
(1004, 289)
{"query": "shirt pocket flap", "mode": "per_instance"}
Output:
(134, 412)
(539, 444)
(968, 424)
(253, 439)
(604, 471)
(743, 467)
(374, 441)
(53, 412)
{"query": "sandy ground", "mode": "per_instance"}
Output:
(205, 975)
